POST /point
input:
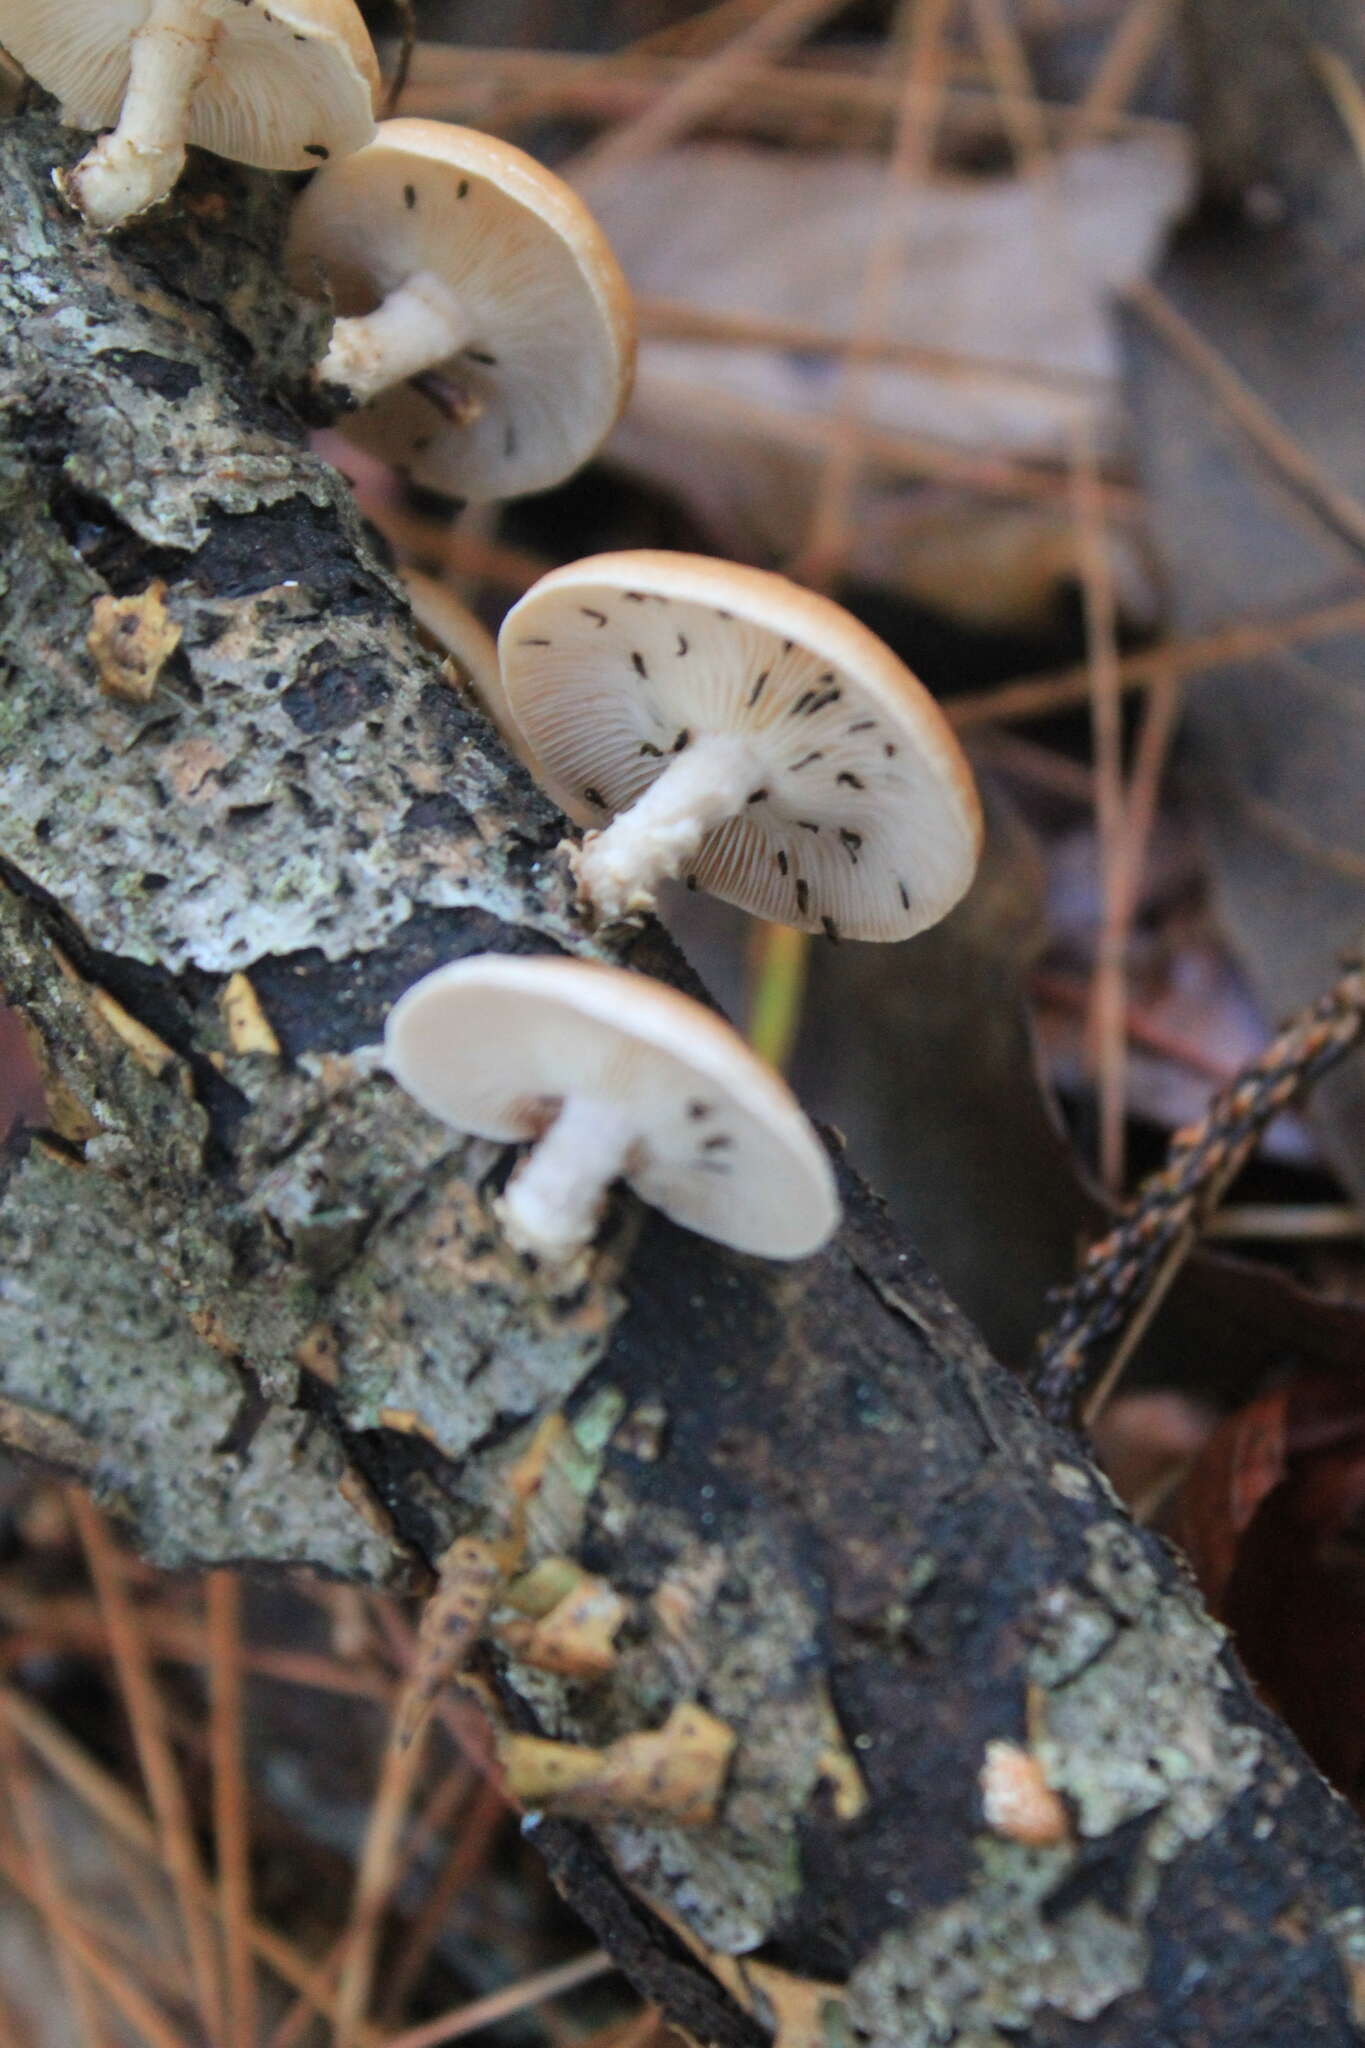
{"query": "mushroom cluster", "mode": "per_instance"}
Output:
(284, 85)
(703, 720)
(759, 741)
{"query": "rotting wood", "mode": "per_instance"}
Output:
(835, 1525)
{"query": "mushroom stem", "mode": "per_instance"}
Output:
(138, 163)
(555, 1197)
(420, 324)
(710, 780)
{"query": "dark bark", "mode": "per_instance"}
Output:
(259, 1302)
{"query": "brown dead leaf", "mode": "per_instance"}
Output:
(1273, 1519)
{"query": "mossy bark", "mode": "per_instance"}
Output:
(259, 1302)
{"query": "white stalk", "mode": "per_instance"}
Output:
(555, 1197)
(138, 163)
(711, 780)
(419, 325)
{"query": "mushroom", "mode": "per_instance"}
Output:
(612, 1077)
(486, 330)
(282, 84)
(744, 734)
(455, 629)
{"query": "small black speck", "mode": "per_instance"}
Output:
(316, 149)
(757, 690)
(410, 197)
(462, 189)
(905, 895)
(682, 645)
(831, 930)
(889, 751)
(535, 643)
(482, 355)
(806, 760)
(807, 825)
(864, 725)
(634, 596)
(691, 883)
(684, 739)
(783, 864)
(756, 796)
(637, 662)
(595, 798)
(651, 752)
(719, 1141)
(697, 1110)
(852, 843)
(802, 896)
(849, 780)
(590, 612)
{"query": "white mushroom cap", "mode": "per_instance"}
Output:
(455, 628)
(512, 1049)
(829, 790)
(290, 82)
(544, 354)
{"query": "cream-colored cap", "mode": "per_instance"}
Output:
(498, 1046)
(290, 85)
(548, 351)
(859, 815)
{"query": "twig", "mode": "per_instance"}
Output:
(1339, 511)
(67, 1622)
(504, 87)
(231, 1806)
(162, 1779)
(825, 547)
(146, 2019)
(465, 1859)
(702, 86)
(1110, 999)
(679, 320)
(1127, 57)
(407, 17)
(1347, 97)
(120, 1812)
(377, 1872)
(1288, 1222)
(501, 2005)
(295, 2023)
(1060, 992)
(1126, 1275)
(1064, 689)
(51, 1897)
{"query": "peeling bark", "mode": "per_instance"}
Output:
(259, 1302)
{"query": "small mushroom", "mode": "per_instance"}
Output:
(454, 628)
(745, 735)
(485, 328)
(612, 1077)
(282, 84)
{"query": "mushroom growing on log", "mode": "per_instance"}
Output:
(823, 1503)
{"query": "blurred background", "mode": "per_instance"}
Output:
(939, 316)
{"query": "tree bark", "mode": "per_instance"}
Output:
(257, 1299)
